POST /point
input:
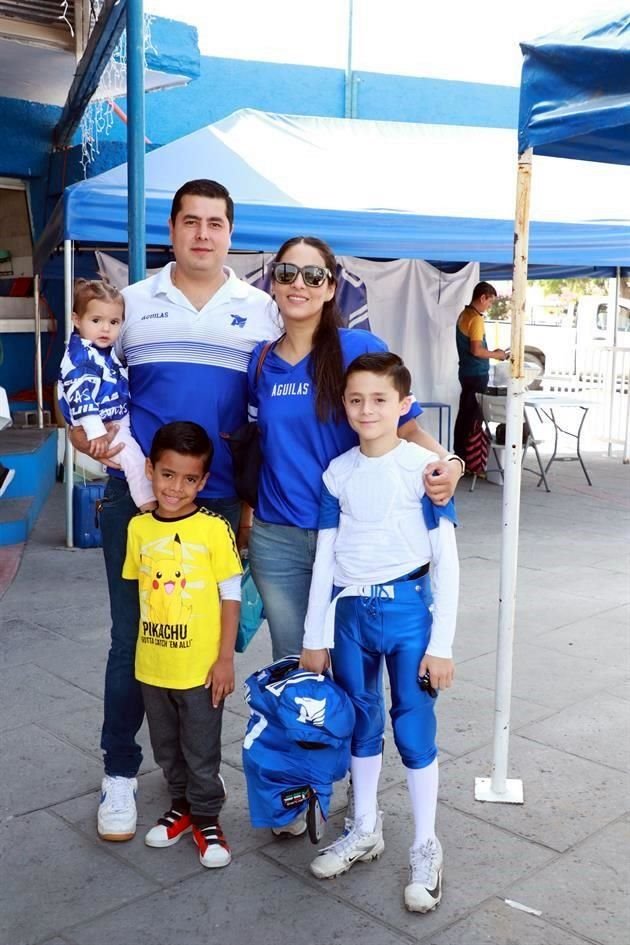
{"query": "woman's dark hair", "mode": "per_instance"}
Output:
(326, 367)
(185, 437)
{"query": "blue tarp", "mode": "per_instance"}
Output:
(374, 189)
(575, 92)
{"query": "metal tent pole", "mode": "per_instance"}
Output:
(39, 383)
(68, 259)
(613, 308)
(135, 141)
(349, 78)
(499, 787)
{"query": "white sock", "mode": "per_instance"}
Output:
(365, 774)
(423, 790)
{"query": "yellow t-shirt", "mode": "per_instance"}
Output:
(178, 564)
(472, 325)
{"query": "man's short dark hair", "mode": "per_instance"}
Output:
(483, 288)
(185, 437)
(203, 188)
(387, 365)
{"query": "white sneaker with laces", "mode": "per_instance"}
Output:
(424, 890)
(117, 813)
(354, 844)
(296, 828)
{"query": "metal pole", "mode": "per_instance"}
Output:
(349, 90)
(39, 384)
(613, 308)
(68, 259)
(135, 141)
(499, 787)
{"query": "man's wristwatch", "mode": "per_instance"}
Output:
(453, 456)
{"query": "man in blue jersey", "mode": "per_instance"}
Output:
(188, 334)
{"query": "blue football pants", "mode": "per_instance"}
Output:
(368, 630)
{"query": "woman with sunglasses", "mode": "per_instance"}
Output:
(296, 398)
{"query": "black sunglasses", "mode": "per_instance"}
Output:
(287, 273)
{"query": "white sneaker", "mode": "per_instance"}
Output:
(295, 828)
(354, 844)
(117, 813)
(424, 890)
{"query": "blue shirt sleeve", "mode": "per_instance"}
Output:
(329, 511)
(433, 513)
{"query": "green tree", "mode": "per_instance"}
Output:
(571, 289)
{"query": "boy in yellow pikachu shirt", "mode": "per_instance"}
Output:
(188, 570)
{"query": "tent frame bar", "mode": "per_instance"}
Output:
(500, 788)
(68, 465)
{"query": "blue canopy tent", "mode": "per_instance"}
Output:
(374, 189)
(575, 93)
(574, 104)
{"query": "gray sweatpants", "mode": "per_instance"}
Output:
(185, 732)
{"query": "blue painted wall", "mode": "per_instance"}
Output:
(225, 85)
(434, 101)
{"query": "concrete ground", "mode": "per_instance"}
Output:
(563, 853)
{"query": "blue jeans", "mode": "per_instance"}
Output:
(281, 558)
(124, 708)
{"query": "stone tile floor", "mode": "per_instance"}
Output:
(563, 853)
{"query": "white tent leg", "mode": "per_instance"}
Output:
(613, 308)
(499, 787)
(68, 260)
(39, 383)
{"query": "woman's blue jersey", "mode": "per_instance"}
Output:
(296, 446)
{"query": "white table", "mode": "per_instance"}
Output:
(545, 404)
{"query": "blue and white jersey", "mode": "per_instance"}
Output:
(297, 742)
(186, 364)
(296, 446)
(92, 385)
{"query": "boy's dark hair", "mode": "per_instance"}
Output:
(483, 288)
(86, 290)
(185, 437)
(387, 365)
(203, 188)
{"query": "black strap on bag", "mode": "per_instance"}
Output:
(244, 445)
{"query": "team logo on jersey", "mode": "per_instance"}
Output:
(311, 710)
(238, 320)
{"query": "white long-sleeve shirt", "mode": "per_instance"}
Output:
(376, 524)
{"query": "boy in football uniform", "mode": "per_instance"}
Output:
(379, 535)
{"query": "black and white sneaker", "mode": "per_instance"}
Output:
(424, 890)
(353, 845)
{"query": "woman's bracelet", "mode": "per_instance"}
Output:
(453, 456)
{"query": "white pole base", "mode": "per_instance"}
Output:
(513, 793)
